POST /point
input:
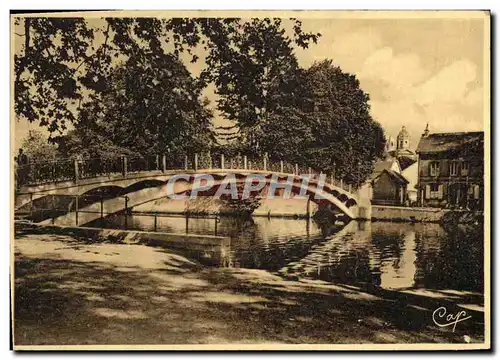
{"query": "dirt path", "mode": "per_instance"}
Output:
(71, 292)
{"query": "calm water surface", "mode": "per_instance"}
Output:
(390, 255)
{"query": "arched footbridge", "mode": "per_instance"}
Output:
(132, 181)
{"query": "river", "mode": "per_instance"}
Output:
(389, 255)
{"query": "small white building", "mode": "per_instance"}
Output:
(411, 175)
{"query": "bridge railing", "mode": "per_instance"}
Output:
(90, 168)
(76, 169)
(39, 172)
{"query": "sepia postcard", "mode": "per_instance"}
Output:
(250, 180)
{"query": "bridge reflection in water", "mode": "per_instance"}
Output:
(390, 255)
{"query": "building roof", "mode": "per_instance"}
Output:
(406, 160)
(397, 177)
(403, 152)
(382, 165)
(405, 157)
(394, 176)
(440, 142)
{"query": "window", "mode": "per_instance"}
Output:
(465, 168)
(453, 168)
(434, 191)
(434, 168)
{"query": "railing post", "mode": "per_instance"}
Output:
(164, 163)
(310, 171)
(217, 219)
(265, 162)
(308, 207)
(77, 172)
(350, 188)
(53, 210)
(196, 162)
(124, 166)
(102, 208)
(185, 162)
(76, 210)
(53, 171)
(341, 184)
(222, 161)
(281, 166)
(296, 169)
(215, 225)
(157, 162)
(126, 212)
(31, 205)
(245, 162)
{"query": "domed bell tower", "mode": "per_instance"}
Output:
(403, 139)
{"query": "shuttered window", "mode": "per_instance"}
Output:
(476, 192)
(434, 191)
(440, 192)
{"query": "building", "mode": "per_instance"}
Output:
(389, 187)
(402, 152)
(389, 184)
(450, 170)
(411, 174)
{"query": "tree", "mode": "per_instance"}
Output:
(46, 69)
(241, 207)
(37, 147)
(149, 107)
(64, 61)
(254, 73)
(328, 126)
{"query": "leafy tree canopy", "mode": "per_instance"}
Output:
(37, 147)
(123, 87)
(148, 107)
(328, 127)
(65, 61)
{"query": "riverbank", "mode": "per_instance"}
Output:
(69, 290)
(407, 214)
(298, 209)
(431, 215)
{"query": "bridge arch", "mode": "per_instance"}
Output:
(342, 202)
(156, 181)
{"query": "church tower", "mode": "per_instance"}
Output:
(403, 139)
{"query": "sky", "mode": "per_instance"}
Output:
(416, 71)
